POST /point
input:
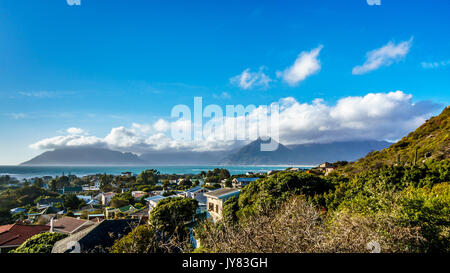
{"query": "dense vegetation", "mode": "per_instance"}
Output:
(398, 198)
(40, 243)
(403, 208)
(429, 141)
(167, 230)
(25, 197)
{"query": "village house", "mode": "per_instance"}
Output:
(138, 194)
(194, 193)
(49, 202)
(106, 198)
(240, 182)
(12, 236)
(68, 225)
(88, 187)
(97, 217)
(153, 201)
(71, 190)
(216, 199)
(85, 198)
(111, 213)
(17, 210)
(326, 167)
(127, 174)
(95, 238)
(141, 214)
(197, 193)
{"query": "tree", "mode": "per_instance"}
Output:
(228, 183)
(230, 207)
(58, 183)
(172, 213)
(5, 216)
(38, 182)
(142, 239)
(185, 183)
(118, 203)
(72, 202)
(217, 175)
(105, 182)
(165, 184)
(121, 200)
(148, 177)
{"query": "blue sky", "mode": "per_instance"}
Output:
(105, 64)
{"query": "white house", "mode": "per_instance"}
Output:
(216, 199)
(106, 198)
(85, 198)
(153, 201)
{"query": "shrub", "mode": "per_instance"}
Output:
(40, 243)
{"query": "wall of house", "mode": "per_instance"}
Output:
(214, 207)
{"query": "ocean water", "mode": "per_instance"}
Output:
(21, 172)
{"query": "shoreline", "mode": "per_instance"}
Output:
(27, 172)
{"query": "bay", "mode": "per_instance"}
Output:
(21, 172)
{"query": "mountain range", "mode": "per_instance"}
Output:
(250, 154)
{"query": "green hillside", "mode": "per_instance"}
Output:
(430, 141)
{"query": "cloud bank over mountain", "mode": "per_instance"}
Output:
(378, 116)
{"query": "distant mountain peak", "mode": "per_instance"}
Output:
(84, 156)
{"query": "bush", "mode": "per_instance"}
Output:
(40, 243)
(142, 239)
(298, 227)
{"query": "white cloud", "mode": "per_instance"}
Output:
(381, 116)
(68, 141)
(17, 115)
(122, 137)
(143, 128)
(76, 131)
(428, 65)
(161, 125)
(383, 56)
(306, 64)
(249, 80)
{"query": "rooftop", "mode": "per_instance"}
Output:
(109, 193)
(69, 224)
(98, 236)
(5, 228)
(155, 198)
(246, 179)
(17, 234)
(194, 189)
(50, 200)
(221, 193)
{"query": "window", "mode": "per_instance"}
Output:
(217, 208)
(211, 207)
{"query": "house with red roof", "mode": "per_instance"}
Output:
(12, 236)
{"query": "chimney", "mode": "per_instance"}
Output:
(51, 225)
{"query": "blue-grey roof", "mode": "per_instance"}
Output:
(17, 210)
(194, 189)
(155, 198)
(223, 193)
(246, 179)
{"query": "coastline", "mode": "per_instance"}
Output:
(26, 172)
